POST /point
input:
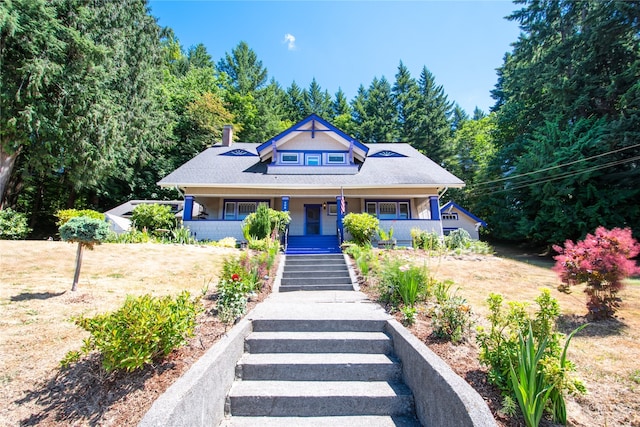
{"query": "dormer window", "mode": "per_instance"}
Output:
(312, 160)
(289, 158)
(336, 158)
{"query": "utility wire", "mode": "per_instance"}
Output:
(557, 166)
(561, 176)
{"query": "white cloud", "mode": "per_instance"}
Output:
(290, 40)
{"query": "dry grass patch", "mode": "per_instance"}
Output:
(606, 353)
(36, 305)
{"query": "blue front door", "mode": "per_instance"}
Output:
(312, 219)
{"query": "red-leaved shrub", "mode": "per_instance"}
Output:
(602, 260)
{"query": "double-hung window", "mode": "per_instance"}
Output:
(238, 210)
(388, 209)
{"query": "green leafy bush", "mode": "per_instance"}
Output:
(153, 217)
(458, 239)
(451, 316)
(362, 227)
(232, 299)
(143, 330)
(427, 240)
(265, 222)
(408, 315)
(131, 236)
(499, 346)
(65, 215)
(13, 225)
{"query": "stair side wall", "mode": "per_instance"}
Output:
(198, 397)
(442, 398)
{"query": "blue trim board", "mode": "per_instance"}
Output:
(311, 118)
(463, 210)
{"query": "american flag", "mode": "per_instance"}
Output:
(343, 206)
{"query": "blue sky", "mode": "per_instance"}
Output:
(345, 44)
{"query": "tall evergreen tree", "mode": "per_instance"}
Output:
(407, 102)
(568, 103)
(78, 91)
(434, 128)
(316, 101)
(244, 69)
(341, 112)
(294, 105)
(375, 113)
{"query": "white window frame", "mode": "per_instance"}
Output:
(336, 162)
(296, 161)
(450, 216)
(402, 209)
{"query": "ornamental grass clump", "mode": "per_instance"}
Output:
(601, 261)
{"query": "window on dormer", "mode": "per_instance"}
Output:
(335, 158)
(312, 160)
(289, 158)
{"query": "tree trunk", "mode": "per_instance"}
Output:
(7, 161)
(76, 276)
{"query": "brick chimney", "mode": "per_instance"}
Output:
(227, 135)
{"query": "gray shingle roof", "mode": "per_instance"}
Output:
(210, 168)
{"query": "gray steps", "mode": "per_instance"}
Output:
(315, 273)
(343, 421)
(318, 367)
(319, 372)
(318, 342)
(319, 398)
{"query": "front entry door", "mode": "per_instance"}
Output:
(312, 219)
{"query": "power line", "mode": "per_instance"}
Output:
(557, 166)
(565, 175)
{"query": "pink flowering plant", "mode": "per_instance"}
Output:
(601, 261)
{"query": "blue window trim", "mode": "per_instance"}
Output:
(235, 208)
(396, 201)
(308, 156)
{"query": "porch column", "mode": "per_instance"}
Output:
(285, 203)
(434, 207)
(340, 217)
(187, 211)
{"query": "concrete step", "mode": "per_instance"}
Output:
(315, 267)
(316, 287)
(312, 271)
(345, 421)
(318, 342)
(318, 367)
(318, 325)
(318, 398)
(314, 280)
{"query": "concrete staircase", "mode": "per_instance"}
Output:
(315, 273)
(319, 372)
